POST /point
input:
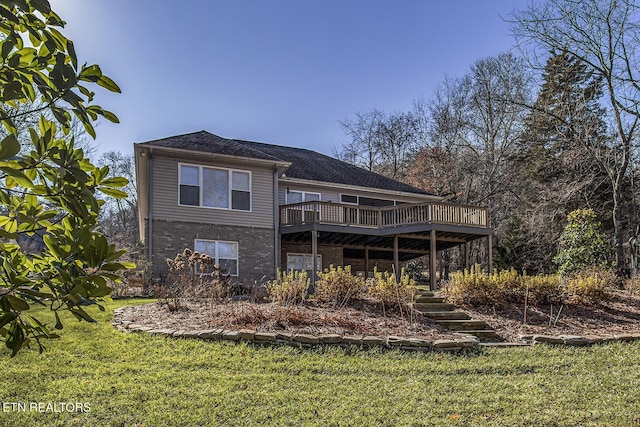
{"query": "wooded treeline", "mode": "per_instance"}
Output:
(531, 136)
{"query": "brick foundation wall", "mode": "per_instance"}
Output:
(256, 256)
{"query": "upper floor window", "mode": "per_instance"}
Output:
(295, 196)
(215, 187)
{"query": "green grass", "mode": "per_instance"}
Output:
(141, 380)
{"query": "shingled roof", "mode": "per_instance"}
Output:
(305, 164)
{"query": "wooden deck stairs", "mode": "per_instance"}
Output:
(445, 314)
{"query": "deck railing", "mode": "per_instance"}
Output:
(382, 217)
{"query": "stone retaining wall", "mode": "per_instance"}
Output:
(460, 343)
(578, 340)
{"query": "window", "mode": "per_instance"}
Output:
(215, 188)
(299, 262)
(346, 198)
(366, 201)
(295, 196)
(225, 254)
(189, 185)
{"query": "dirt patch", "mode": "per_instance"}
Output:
(362, 320)
(620, 315)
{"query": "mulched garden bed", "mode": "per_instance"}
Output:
(362, 320)
(619, 316)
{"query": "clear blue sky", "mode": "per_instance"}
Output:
(277, 71)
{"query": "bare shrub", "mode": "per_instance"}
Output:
(337, 286)
(476, 287)
(193, 275)
(289, 288)
(119, 288)
(400, 294)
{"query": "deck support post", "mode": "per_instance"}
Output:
(467, 254)
(490, 252)
(432, 260)
(314, 255)
(366, 262)
(396, 258)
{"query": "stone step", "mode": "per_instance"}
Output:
(433, 307)
(420, 293)
(483, 334)
(429, 299)
(462, 325)
(446, 315)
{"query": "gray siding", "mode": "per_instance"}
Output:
(334, 193)
(326, 195)
(165, 195)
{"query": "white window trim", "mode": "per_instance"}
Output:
(200, 186)
(304, 193)
(303, 255)
(215, 258)
(395, 202)
(349, 203)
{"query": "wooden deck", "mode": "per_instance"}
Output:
(383, 217)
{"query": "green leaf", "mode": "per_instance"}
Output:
(35, 293)
(16, 303)
(109, 116)
(81, 315)
(18, 176)
(72, 54)
(90, 73)
(52, 245)
(115, 266)
(108, 84)
(117, 181)
(118, 194)
(7, 318)
(5, 13)
(41, 6)
(58, 321)
(9, 147)
(16, 336)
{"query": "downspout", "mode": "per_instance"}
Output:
(276, 221)
(150, 205)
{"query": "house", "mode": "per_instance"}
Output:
(257, 207)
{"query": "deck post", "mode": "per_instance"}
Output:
(467, 254)
(396, 258)
(314, 255)
(432, 261)
(490, 252)
(366, 263)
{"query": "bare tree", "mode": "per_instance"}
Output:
(381, 143)
(119, 217)
(603, 34)
(363, 148)
(475, 122)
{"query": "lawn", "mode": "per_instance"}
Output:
(140, 380)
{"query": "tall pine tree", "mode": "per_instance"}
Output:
(558, 173)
